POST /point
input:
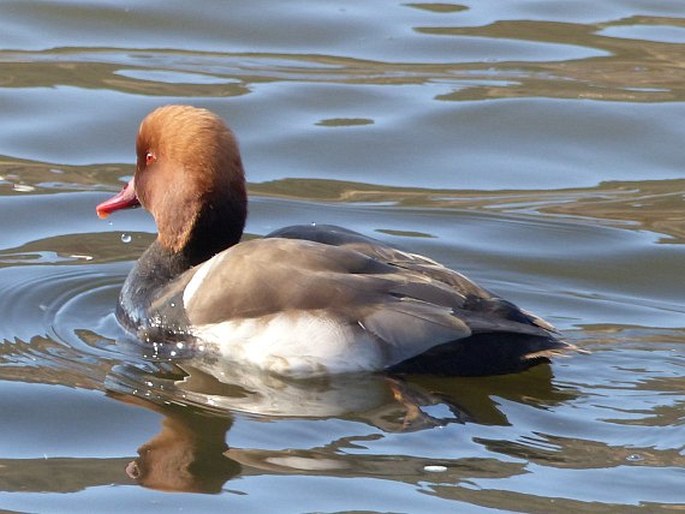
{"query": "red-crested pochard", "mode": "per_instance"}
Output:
(305, 300)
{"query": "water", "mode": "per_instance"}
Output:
(535, 146)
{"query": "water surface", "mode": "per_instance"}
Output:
(535, 146)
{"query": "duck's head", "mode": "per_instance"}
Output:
(190, 177)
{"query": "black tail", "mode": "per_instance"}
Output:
(484, 354)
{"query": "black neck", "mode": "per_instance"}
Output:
(155, 268)
(217, 227)
(215, 230)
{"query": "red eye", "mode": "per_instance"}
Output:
(149, 158)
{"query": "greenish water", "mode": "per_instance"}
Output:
(535, 146)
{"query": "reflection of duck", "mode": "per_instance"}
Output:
(186, 455)
(305, 300)
(191, 453)
(385, 402)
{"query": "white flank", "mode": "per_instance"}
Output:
(296, 345)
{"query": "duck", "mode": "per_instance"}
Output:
(306, 300)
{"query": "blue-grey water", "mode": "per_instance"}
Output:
(536, 146)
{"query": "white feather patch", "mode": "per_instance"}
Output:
(300, 344)
(199, 277)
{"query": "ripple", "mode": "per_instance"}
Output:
(173, 77)
(656, 33)
(58, 324)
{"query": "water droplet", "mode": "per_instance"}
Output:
(125, 238)
(172, 305)
(634, 457)
(180, 345)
